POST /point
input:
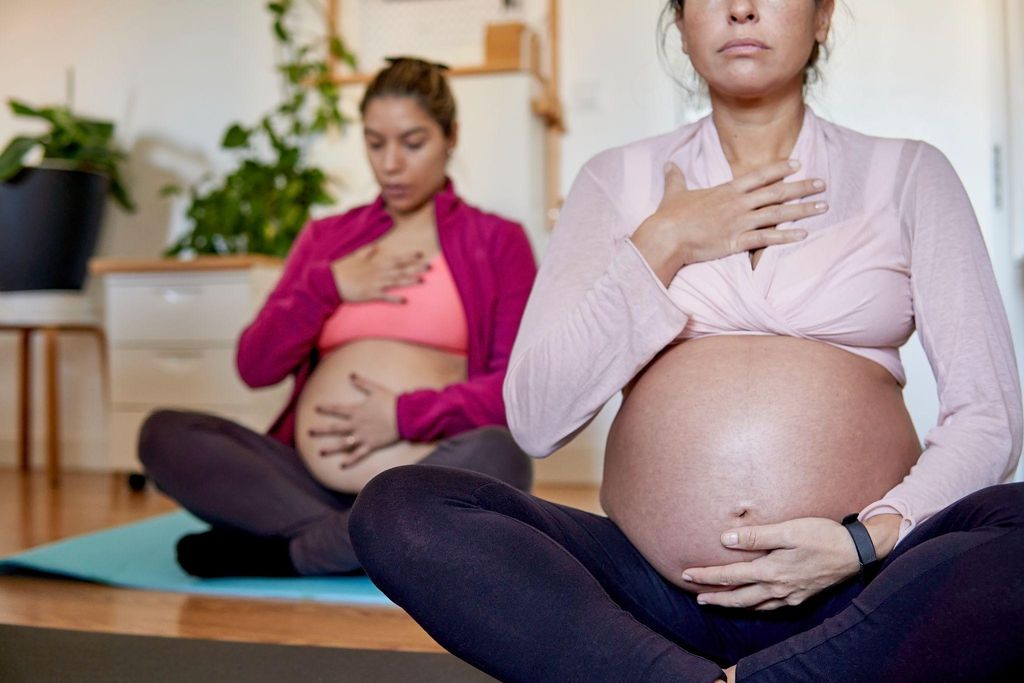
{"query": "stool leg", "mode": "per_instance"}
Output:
(25, 402)
(101, 339)
(52, 406)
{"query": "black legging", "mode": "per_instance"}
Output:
(528, 590)
(237, 479)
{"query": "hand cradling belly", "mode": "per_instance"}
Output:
(723, 432)
(399, 366)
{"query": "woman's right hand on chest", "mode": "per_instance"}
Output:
(690, 226)
(367, 274)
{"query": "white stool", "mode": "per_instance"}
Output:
(50, 313)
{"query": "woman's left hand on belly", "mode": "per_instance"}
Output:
(805, 556)
(355, 430)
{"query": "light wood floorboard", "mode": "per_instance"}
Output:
(86, 502)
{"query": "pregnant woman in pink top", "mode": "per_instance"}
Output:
(746, 281)
(396, 321)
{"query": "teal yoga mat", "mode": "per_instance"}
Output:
(141, 555)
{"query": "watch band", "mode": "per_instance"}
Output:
(862, 540)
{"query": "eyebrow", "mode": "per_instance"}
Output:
(418, 129)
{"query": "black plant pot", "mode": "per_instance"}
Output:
(50, 221)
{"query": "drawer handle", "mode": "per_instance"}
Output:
(173, 295)
(179, 361)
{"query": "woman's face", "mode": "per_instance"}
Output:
(407, 150)
(752, 48)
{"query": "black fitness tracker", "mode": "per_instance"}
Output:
(865, 546)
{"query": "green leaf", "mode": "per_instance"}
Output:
(21, 109)
(279, 31)
(12, 157)
(235, 137)
(171, 190)
(337, 47)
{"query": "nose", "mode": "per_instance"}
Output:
(743, 12)
(392, 159)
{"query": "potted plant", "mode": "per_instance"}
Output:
(51, 214)
(260, 207)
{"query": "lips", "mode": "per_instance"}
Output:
(743, 45)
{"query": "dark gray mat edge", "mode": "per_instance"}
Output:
(41, 655)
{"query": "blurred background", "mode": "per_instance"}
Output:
(173, 76)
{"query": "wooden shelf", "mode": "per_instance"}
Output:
(365, 78)
(104, 266)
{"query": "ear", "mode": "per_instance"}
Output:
(453, 139)
(823, 20)
(682, 34)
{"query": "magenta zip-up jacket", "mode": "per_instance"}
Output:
(493, 266)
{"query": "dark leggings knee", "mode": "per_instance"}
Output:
(403, 508)
(492, 451)
(164, 436)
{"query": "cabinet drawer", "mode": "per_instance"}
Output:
(176, 376)
(122, 455)
(183, 308)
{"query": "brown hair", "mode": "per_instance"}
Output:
(812, 73)
(422, 81)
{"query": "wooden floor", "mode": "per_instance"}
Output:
(34, 514)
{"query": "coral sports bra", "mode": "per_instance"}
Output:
(432, 315)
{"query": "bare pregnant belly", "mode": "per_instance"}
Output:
(399, 366)
(730, 431)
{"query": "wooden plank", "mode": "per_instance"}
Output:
(104, 266)
(91, 501)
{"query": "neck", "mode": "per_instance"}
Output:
(755, 132)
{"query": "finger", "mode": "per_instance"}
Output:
(369, 251)
(675, 179)
(781, 192)
(343, 449)
(400, 281)
(388, 298)
(407, 259)
(747, 596)
(343, 412)
(736, 574)
(767, 605)
(359, 454)
(763, 537)
(332, 431)
(766, 175)
(365, 385)
(766, 237)
(778, 214)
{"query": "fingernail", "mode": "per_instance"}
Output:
(818, 184)
(730, 539)
(797, 234)
(821, 206)
(687, 577)
(794, 164)
(701, 600)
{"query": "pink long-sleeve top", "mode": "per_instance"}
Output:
(899, 249)
(492, 265)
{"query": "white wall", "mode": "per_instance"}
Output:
(174, 74)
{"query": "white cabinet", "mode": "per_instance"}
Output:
(172, 328)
